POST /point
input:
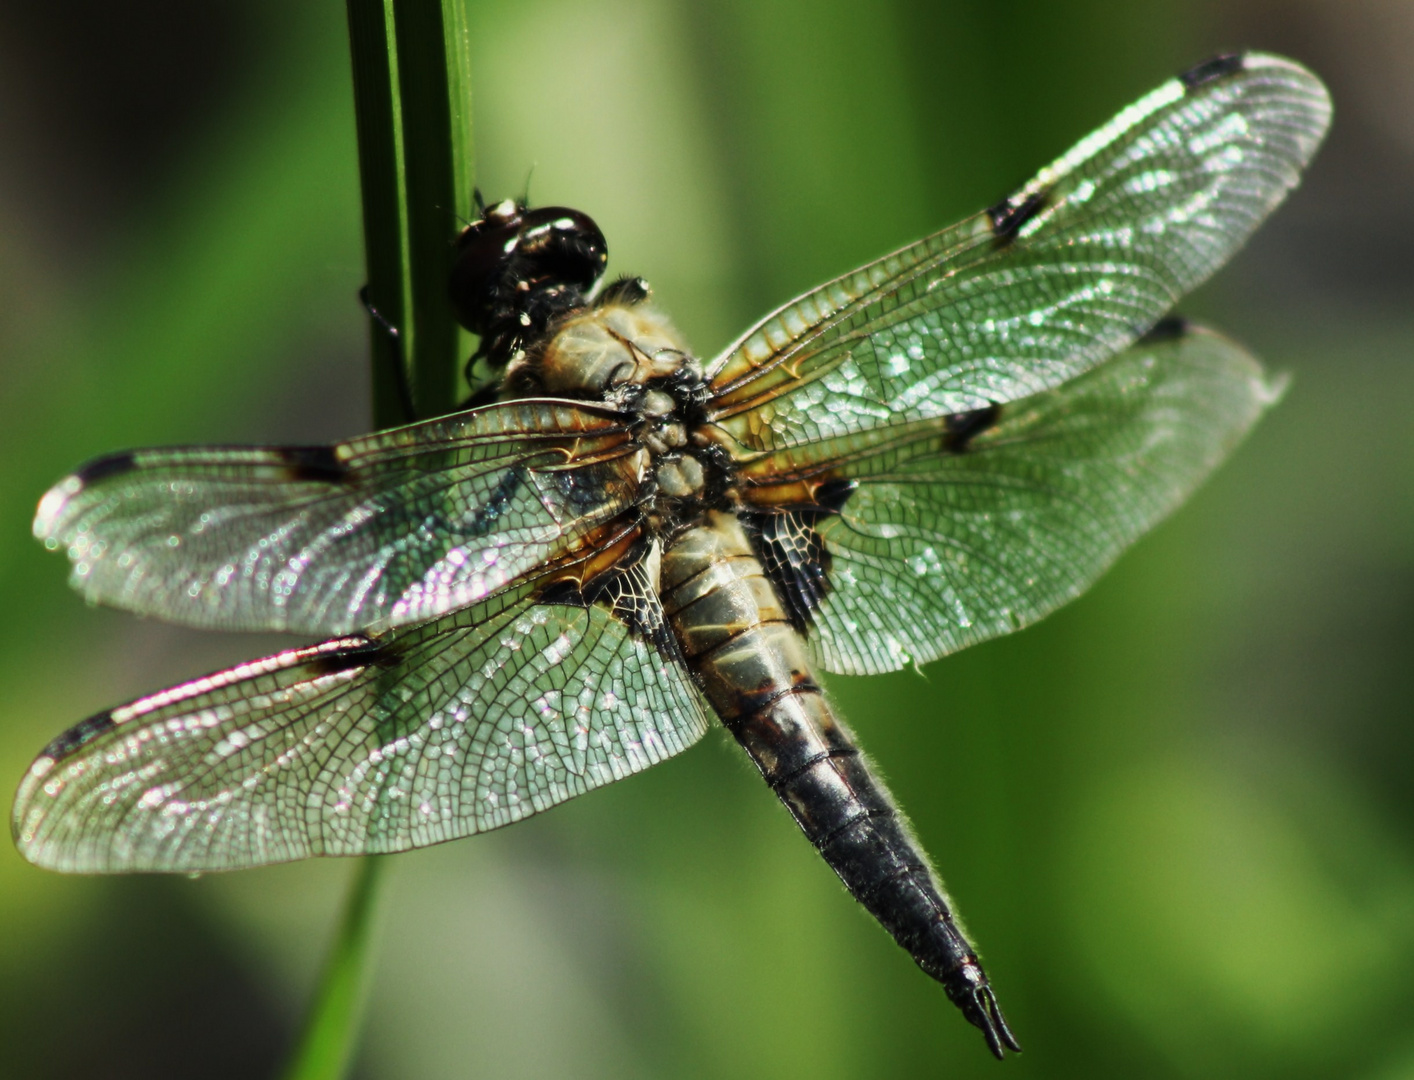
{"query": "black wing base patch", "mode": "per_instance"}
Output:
(794, 555)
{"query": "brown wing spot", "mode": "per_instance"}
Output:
(792, 552)
(612, 577)
(630, 598)
(794, 557)
(359, 655)
(1009, 215)
(1167, 329)
(833, 494)
(615, 545)
(318, 464)
(78, 736)
(104, 467)
(771, 492)
(1211, 70)
(565, 592)
(961, 428)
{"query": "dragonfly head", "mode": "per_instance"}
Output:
(517, 269)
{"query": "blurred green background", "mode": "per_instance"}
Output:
(1178, 816)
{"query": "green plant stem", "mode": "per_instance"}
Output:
(412, 99)
(378, 120)
(416, 163)
(437, 159)
(330, 1037)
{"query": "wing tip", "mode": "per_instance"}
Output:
(35, 797)
(1312, 95)
(38, 790)
(1315, 98)
(51, 509)
(1272, 387)
(49, 514)
(1267, 387)
(1227, 64)
(53, 506)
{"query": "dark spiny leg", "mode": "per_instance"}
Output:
(395, 354)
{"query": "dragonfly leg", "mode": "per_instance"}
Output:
(396, 359)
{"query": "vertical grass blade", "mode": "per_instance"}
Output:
(412, 97)
(380, 169)
(437, 157)
(331, 1032)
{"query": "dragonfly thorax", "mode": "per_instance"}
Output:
(595, 350)
(624, 353)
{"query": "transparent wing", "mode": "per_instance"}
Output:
(368, 743)
(401, 525)
(962, 530)
(1072, 268)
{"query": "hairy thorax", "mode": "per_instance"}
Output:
(630, 357)
(600, 348)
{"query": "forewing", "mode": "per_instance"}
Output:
(1072, 268)
(961, 530)
(368, 743)
(399, 526)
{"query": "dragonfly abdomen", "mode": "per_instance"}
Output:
(737, 637)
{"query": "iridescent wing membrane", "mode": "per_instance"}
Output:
(515, 696)
(371, 743)
(1074, 267)
(948, 534)
(399, 527)
(944, 446)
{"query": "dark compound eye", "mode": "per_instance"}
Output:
(563, 247)
(512, 256)
(484, 250)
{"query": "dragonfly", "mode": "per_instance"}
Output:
(623, 544)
